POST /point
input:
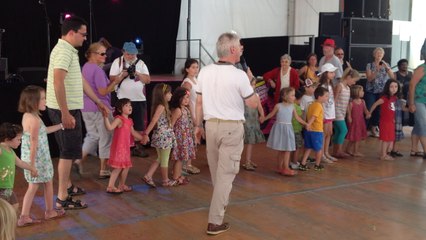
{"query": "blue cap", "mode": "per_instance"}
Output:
(130, 48)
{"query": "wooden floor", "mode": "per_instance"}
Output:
(352, 199)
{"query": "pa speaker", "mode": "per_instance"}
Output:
(3, 69)
(33, 75)
(366, 8)
(359, 56)
(330, 24)
(368, 31)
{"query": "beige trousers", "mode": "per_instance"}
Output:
(225, 143)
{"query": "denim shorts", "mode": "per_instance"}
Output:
(69, 141)
(314, 140)
(420, 119)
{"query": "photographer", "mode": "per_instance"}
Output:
(133, 75)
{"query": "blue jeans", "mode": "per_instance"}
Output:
(370, 98)
(420, 119)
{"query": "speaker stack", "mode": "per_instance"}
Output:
(3, 69)
(366, 27)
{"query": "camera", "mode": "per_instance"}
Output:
(131, 70)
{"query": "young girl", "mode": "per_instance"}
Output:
(342, 96)
(297, 128)
(10, 138)
(190, 82)
(282, 137)
(183, 129)
(252, 132)
(7, 220)
(357, 130)
(35, 151)
(120, 147)
(387, 117)
(163, 138)
(327, 76)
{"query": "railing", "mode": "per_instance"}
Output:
(201, 49)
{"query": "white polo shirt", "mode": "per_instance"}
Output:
(223, 88)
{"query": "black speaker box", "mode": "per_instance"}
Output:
(33, 75)
(367, 8)
(367, 31)
(330, 24)
(3, 69)
(359, 56)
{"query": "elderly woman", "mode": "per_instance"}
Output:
(98, 138)
(378, 73)
(282, 77)
(310, 70)
(417, 100)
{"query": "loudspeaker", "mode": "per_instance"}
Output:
(3, 69)
(359, 56)
(367, 8)
(368, 31)
(330, 24)
(33, 75)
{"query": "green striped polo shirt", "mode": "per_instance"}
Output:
(65, 56)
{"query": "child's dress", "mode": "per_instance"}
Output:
(252, 132)
(163, 136)
(185, 149)
(357, 129)
(120, 146)
(387, 119)
(43, 162)
(281, 137)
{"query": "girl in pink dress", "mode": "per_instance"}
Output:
(120, 147)
(183, 128)
(357, 129)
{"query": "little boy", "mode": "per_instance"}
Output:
(314, 134)
(297, 128)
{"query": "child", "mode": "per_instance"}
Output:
(308, 96)
(387, 117)
(357, 130)
(342, 96)
(252, 132)
(183, 129)
(190, 82)
(163, 138)
(120, 147)
(314, 136)
(400, 106)
(282, 137)
(327, 75)
(10, 138)
(35, 151)
(297, 128)
(7, 220)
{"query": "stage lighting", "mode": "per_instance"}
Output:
(63, 16)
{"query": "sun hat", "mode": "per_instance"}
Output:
(329, 42)
(130, 48)
(328, 67)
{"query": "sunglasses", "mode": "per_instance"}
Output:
(102, 53)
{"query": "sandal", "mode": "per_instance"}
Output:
(58, 214)
(149, 182)
(114, 190)
(416, 154)
(192, 169)
(70, 204)
(103, 174)
(75, 191)
(169, 183)
(24, 221)
(125, 188)
(182, 180)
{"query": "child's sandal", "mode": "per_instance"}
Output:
(24, 221)
(170, 183)
(149, 181)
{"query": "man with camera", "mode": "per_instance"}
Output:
(132, 73)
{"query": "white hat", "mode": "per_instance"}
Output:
(328, 67)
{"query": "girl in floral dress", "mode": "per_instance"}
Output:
(35, 151)
(163, 138)
(183, 128)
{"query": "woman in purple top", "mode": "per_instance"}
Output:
(98, 138)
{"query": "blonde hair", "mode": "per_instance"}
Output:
(93, 48)
(285, 92)
(30, 99)
(8, 220)
(350, 72)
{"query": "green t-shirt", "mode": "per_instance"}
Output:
(297, 127)
(7, 168)
(420, 92)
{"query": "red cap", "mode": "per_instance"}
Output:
(329, 42)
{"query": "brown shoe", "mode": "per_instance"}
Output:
(214, 229)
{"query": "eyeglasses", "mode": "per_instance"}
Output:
(83, 34)
(101, 53)
(340, 54)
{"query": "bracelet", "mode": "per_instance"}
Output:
(62, 126)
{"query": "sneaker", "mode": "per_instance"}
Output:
(295, 165)
(318, 167)
(214, 229)
(303, 167)
(326, 160)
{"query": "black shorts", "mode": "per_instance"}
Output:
(138, 115)
(69, 141)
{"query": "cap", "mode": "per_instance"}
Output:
(328, 67)
(329, 42)
(130, 48)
